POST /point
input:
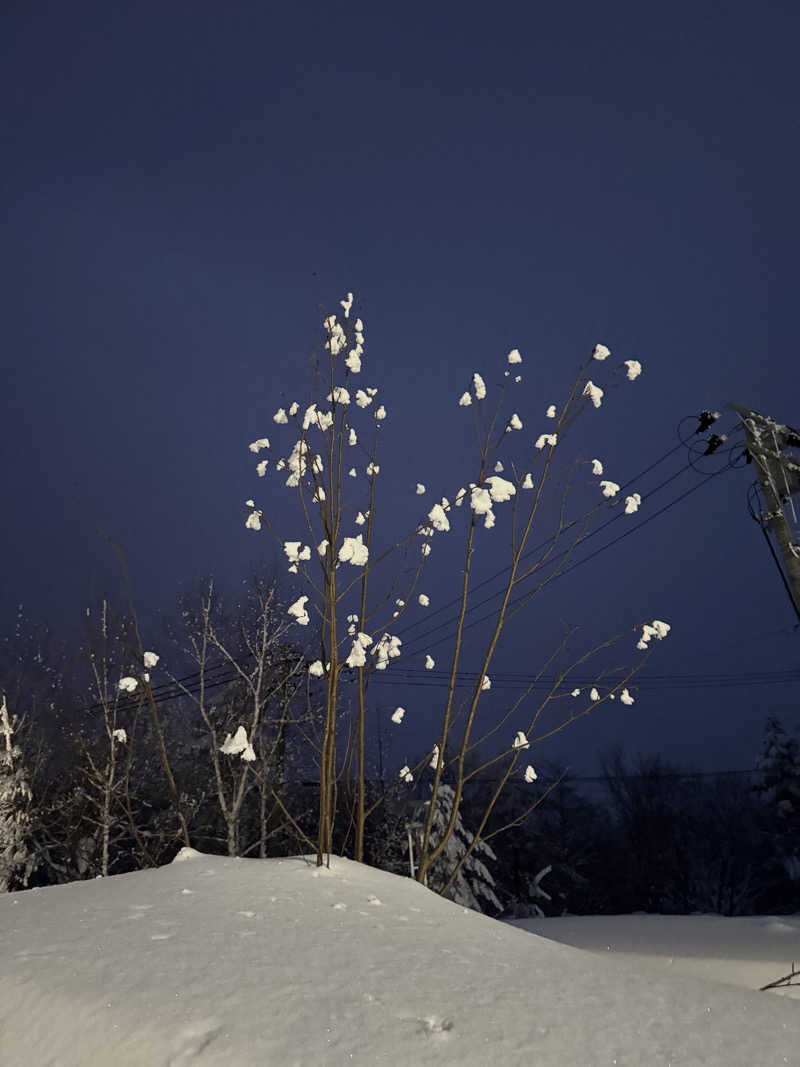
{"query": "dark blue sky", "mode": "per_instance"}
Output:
(186, 185)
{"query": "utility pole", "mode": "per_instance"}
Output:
(779, 477)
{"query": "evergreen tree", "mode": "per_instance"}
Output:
(16, 862)
(779, 772)
(473, 886)
(778, 788)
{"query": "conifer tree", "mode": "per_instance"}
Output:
(16, 861)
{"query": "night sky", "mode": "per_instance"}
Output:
(187, 187)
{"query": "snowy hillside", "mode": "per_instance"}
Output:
(217, 961)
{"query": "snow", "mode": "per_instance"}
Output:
(464, 400)
(514, 356)
(515, 422)
(219, 962)
(601, 352)
(397, 715)
(543, 439)
(479, 387)
(594, 392)
(597, 467)
(354, 551)
(632, 503)
(634, 369)
(256, 446)
(298, 610)
(424, 600)
(500, 489)
(127, 685)
(530, 774)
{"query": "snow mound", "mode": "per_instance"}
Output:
(252, 962)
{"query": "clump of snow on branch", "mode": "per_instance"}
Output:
(530, 774)
(424, 600)
(486, 683)
(358, 654)
(597, 467)
(634, 369)
(594, 392)
(238, 745)
(514, 356)
(500, 489)
(600, 352)
(609, 488)
(551, 412)
(435, 758)
(150, 659)
(397, 715)
(430, 662)
(298, 611)
(593, 694)
(316, 670)
(127, 685)
(406, 775)
(120, 736)
(439, 519)
(280, 417)
(354, 551)
(387, 648)
(256, 446)
(543, 439)
(514, 423)
(521, 741)
(527, 481)
(478, 386)
(657, 629)
(632, 503)
(625, 697)
(464, 400)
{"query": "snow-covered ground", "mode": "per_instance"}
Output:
(222, 961)
(747, 952)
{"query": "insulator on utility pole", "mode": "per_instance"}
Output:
(779, 477)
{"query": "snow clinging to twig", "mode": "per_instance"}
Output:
(521, 741)
(514, 356)
(354, 551)
(298, 611)
(594, 392)
(634, 369)
(600, 352)
(397, 715)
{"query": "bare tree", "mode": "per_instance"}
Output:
(256, 710)
(331, 437)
